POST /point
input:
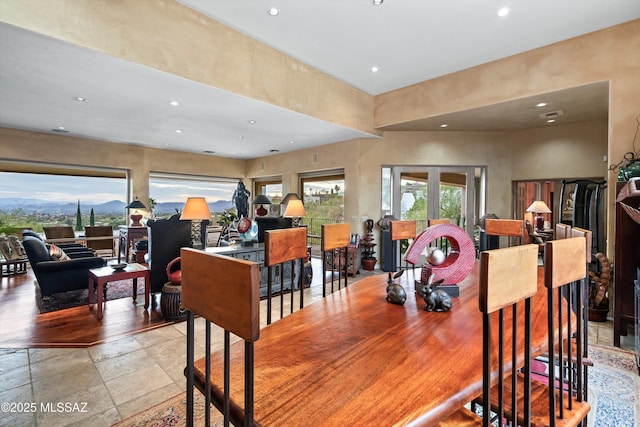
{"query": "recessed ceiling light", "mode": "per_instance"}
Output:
(377, 2)
(541, 104)
(291, 142)
(273, 11)
(551, 121)
(444, 125)
(60, 129)
(374, 69)
(79, 98)
(253, 122)
(241, 137)
(503, 11)
(273, 150)
(178, 131)
(174, 103)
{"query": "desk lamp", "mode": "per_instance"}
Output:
(295, 210)
(261, 200)
(196, 210)
(539, 207)
(136, 216)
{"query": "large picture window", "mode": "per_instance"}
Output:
(323, 197)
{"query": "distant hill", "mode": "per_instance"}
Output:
(9, 205)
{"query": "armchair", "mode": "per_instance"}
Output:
(58, 276)
(166, 237)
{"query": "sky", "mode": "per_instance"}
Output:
(62, 188)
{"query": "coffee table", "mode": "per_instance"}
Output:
(99, 277)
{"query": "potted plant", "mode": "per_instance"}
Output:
(599, 282)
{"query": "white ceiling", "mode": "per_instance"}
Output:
(409, 40)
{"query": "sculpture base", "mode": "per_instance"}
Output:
(452, 290)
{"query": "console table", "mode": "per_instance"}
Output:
(255, 253)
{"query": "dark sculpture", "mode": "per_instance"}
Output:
(241, 200)
(395, 292)
(436, 299)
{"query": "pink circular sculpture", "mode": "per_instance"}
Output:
(459, 262)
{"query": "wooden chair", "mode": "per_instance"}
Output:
(59, 232)
(400, 230)
(442, 243)
(510, 228)
(225, 291)
(502, 293)
(563, 231)
(101, 245)
(335, 240)
(280, 247)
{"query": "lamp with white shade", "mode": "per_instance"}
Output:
(295, 210)
(539, 207)
(196, 210)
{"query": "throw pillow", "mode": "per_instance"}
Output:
(57, 254)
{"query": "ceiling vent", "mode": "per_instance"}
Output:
(552, 115)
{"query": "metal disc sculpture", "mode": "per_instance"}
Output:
(458, 263)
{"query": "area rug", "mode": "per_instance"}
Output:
(614, 387)
(173, 412)
(62, 300)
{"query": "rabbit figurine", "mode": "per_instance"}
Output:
(436, 299)
(395, 292)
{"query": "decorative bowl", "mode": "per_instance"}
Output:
(119, 266)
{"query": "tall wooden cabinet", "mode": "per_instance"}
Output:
(626, 262)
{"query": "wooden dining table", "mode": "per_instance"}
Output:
(355, 359)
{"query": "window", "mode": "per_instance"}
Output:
(37, 195)
(323, 197)
(169, 192)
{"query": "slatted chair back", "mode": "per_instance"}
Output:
(400, 230)
(511, 228)
(564, 264)
(508, 280)
(335, 239)
(563, 231)
(581, 290)
(59, 232)
(107, 244)
(288, 245)
(442, 242)
(225, 291)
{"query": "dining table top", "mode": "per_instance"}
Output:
(355, 359)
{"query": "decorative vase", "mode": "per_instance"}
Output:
(369, 263)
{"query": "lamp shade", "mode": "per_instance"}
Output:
(295, 208)
(538, 206)
(261, 199)
(196, 208)
(136, 204)
(289, 197)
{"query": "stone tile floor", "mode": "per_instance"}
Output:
(103, 384)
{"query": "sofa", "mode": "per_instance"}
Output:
(56, 276)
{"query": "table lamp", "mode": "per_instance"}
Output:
(295, 210)
(196, 210)
(136, 216)
(261, 200)
(539, 207)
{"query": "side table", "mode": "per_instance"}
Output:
(98, 277)
(13, 267)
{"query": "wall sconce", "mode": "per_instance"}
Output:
(196, 210)
(539, 207)
(261, 200)
(136, 216)
(295, 210)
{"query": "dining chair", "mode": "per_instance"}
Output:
(510, 228)
(563, 231)
(225, 291)
(59, 232)
(334, 240)
(400, 230)
(283, 246)
(442, 242)
(505, 295)
(102, 245)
